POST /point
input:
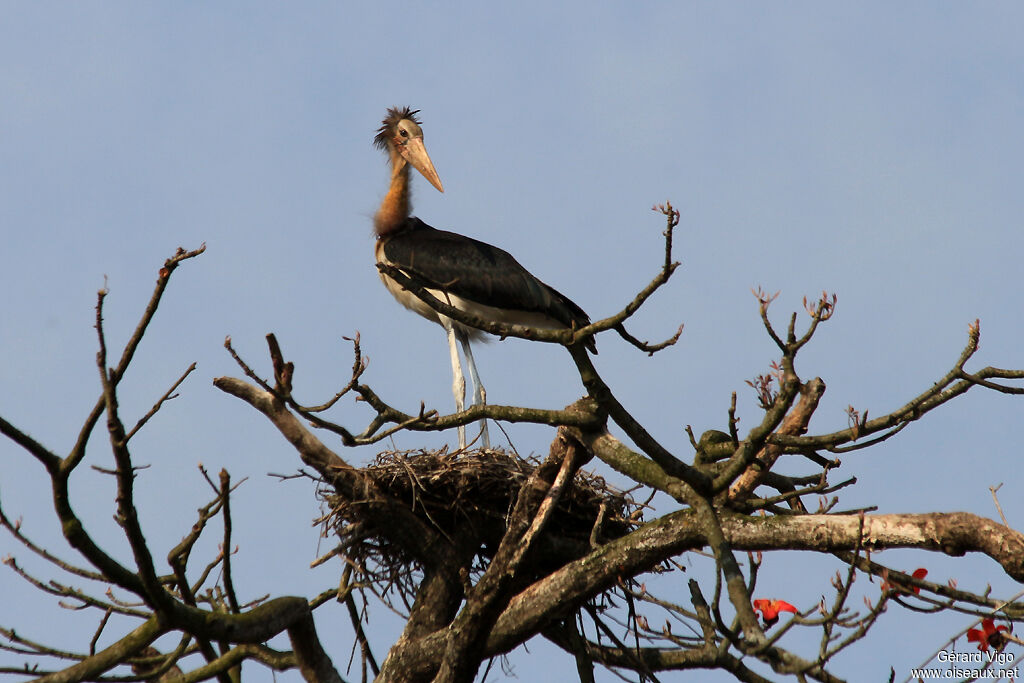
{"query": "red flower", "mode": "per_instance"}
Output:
(887, 585)
(988, 635)
(770, 609)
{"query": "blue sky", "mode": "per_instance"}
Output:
(871, 150)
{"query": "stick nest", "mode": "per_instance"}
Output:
(469, 496)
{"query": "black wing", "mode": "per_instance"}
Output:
(477, 271)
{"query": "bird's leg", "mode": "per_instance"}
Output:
(479, 393)
(458, 380)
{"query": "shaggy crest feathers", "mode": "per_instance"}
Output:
(395, 114)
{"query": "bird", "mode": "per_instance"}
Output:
(470, 275)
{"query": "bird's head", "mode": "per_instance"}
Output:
(401, 136)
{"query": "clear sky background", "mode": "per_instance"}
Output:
(871, 149)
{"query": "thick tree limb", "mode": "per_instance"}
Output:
(111, 656)
(951, 533)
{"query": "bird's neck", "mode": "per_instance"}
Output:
(395, 207)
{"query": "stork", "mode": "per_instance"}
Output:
(470, 275)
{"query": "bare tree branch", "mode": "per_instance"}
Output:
(480, 551)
